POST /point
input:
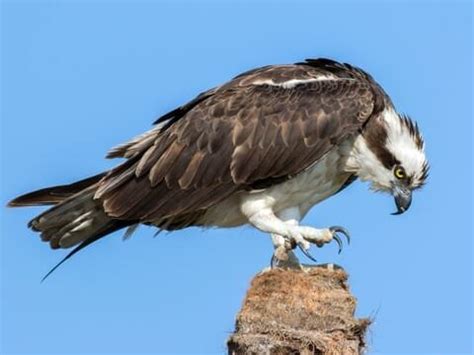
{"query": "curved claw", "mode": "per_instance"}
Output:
(273, 261)
(339, 242)
(307, 254)
(342, 230)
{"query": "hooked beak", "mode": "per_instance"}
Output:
(402, 197)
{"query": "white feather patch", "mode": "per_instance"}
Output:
(402, 145)
(294, 82)
(367, 166)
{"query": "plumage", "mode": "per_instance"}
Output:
(282, 136)
(53, 195)
(306, 125)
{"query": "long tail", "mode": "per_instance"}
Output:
(76, 219)
(54, 195)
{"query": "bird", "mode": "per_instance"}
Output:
(261, 149)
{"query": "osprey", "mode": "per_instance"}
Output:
(261, 149)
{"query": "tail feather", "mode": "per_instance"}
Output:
(54, 195)
(76, 219)
(73, 220)
(65, 212)
(109, 229)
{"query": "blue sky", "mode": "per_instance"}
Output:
(80, 77)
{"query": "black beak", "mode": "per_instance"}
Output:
(402, 197)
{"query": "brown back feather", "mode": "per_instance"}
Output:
(238, 136)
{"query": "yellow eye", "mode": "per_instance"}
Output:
(400, 173)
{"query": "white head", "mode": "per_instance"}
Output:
(390, 154)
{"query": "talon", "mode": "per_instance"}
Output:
(339, 242)
(307, 254)
(273, 261)
(342, 230)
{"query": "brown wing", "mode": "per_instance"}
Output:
(233, 139)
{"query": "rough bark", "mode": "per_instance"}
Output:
(299, 312)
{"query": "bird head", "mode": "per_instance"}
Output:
(392, 157)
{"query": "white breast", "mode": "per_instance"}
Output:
(311, 186)
(304, 191)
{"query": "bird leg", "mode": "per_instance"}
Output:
(283, 256)
(288, 234)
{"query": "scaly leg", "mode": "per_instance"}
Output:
(283, 255)
(264, 219)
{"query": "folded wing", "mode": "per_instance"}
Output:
(259, 129)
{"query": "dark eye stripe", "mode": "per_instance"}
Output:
(385, 156)
(376, 138)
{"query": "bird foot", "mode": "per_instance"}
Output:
(302, 237)
(307, 235)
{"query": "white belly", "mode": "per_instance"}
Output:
(304, 191)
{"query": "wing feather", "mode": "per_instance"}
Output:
(233, 138)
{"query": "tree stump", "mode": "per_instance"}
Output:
(299, 312)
